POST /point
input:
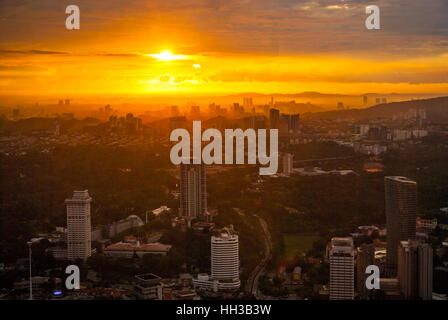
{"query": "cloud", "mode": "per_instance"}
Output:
(38, 52)
(120, 55)
(262, 26)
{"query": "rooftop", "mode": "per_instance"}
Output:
(401, 179)
(123, 246)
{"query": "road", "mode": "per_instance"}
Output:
(259, 270)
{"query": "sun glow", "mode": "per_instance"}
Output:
(166, 55)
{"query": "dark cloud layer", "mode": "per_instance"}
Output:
(263, 26)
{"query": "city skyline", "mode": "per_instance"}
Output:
(240, 150)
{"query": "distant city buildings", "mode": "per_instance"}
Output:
(342, 269)
(248, 103)
(401, 213)
(128, 124)
(195, 112)
(78, 225)
(274, 118)
(287, 161)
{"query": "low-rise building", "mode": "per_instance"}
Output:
(128, 250)
(147, 287)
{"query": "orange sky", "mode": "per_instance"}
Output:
(219, 47)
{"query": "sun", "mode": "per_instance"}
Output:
(166, 55)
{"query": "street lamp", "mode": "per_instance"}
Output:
(29, 243)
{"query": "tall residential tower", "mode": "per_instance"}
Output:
(193, 191)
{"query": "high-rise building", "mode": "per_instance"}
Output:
(287, 163)
(274, 118)
(193, 191)
(342, 265)
(364, 258)
(401, 213)
(225, 257)
(425, 271)
(78, 225)
(415, 269)
(407, 268)
(224, 263)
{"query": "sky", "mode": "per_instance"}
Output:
(195, 47)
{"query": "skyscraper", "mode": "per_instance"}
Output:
(193, 191)
(365, 257)
(407, 269)
(401, 212)
(425, 271)
(342, 265)
(225, 258)
(415, 269)
(78, 225)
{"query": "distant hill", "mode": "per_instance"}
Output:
(436, 110)
(27, 126)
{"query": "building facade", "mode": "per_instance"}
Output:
(287, 160)
(365, 257)
(407, 269)
(401, 213)
(193, 191)
(78, 225)
(225, 263)
(342, 269)
(425, 271)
